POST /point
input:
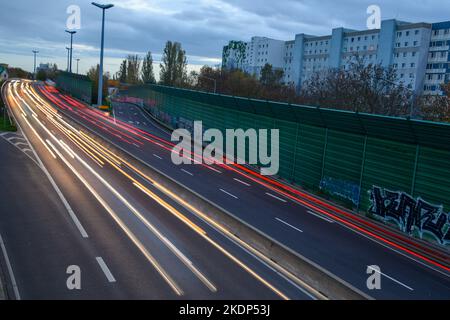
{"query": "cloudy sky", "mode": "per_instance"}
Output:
(202, 26)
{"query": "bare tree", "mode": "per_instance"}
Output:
(362, 87)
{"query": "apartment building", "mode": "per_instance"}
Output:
(418, 51)
(438, 66)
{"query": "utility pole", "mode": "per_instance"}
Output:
(71, 48)
(211, 79)
(35, 53)
(104, 7)
(68, 55)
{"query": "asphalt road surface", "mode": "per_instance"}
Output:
(115, 206)
(76, 204)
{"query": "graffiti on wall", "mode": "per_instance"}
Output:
(341, 188)
(412, 216)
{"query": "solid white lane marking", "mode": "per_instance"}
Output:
(395, 280)
(17, 144)
(54, 185)
(187, 172)
(289, 225)
(242, 182)
(156, 156)
(275, 197)
(10, 270)
(320, 216)
(231, 195)
(105, 270)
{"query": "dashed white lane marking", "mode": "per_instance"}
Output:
(288, 224)
(187, 172)
(10, 270)
(242, 182)
(105, 269)
(231, 195)
(395, 280)
(156, 156)
(275, 197)
(320, 216)
(213, 169)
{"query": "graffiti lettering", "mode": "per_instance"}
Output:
(341, 188)
(411, 214)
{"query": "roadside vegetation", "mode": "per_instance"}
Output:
(361, 87)
(5, 125)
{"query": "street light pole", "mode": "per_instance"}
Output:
(413, 92)
(104, 7)
(35, 52)
(78, 60)
(71, 48)
(215, 82)
(68, 55)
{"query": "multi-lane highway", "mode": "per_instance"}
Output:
(96, 210)
(153, 246)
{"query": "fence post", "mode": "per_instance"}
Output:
(324, 155)
(413, 184)
(295, 152)
(363, 163)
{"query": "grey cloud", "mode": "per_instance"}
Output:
(203, 27)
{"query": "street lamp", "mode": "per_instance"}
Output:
(71, 46)
(78, 60)
(35, 52)
(104, 7)
(68, 55)
(413, 92)
(208, 78)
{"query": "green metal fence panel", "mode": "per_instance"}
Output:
(389, 165)
(343, 165)
(394, 169)
(309, 160)
(78, 86)
(433, 176)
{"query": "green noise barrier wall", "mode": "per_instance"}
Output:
(394, 169)
(76, 85)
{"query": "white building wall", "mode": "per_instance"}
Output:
(404, 46)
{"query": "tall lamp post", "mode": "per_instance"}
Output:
(35, 52)
(68, 55)
(413, 93)
(71, 48)
(104, 7)
(211, 79)
(78, 61)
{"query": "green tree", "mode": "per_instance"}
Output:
(121, 75)
(133, 67)
(174, 65)
(41, 75)
(271, 77)
(93, 74)
(147, 75)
